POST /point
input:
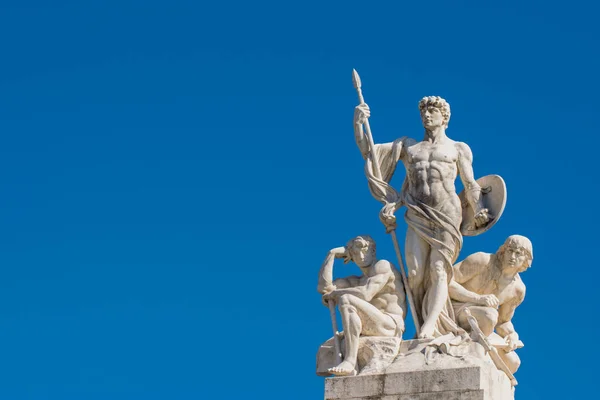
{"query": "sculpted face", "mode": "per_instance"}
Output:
(514, 256)
(432, 117)
(361, 253)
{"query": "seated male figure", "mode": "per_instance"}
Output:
(372, 304)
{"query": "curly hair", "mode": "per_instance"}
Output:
(437, 102)
(365, 239)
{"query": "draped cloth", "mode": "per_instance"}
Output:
(430, 224)
(388, 155)
(443, 236)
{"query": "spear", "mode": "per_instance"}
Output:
(377, 172)
(491, 350)
(336, 333)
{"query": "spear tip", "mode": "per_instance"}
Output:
(356, 79)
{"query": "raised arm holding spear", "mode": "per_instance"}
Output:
(372, 155)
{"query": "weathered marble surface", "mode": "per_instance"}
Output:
(411, 376)
(462, 312)
(433, 208)
(490, 286)
(375, 354)
(372, 304)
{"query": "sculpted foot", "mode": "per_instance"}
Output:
(344, 369)
(426, 332)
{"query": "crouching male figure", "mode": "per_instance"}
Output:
(490, 286)
(372, 304)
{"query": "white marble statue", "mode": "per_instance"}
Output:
(372, 304)
(462, 313)
(489, 285)
(434, 213)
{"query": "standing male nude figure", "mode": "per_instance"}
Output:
(434, 214)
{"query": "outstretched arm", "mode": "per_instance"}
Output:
(505, 327)
(460, 293)
(463, 272)
(466, 270)
(506, 312)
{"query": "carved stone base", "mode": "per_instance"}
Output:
(375, 354)
(422, 372)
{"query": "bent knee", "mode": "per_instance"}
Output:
(491, 314)
(512, 361)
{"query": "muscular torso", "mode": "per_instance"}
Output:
(389, 299)
(491, 281)
(431, 169)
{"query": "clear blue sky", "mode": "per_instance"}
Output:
(174, 172)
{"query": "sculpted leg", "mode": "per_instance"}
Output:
(417, 253)
(359, 317)
(487, 318)
(511, 360)
(352, 328)
(437, 294)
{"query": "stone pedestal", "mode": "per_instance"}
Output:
(423, 373)
(375, 354)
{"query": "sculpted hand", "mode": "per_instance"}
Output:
(513, 341)
(338, 252)
(387, 217)
(482, 218)
(327, 293)
(361, 114)
(489, 300)
(331, 295)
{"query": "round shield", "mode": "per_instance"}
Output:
(493, 197)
